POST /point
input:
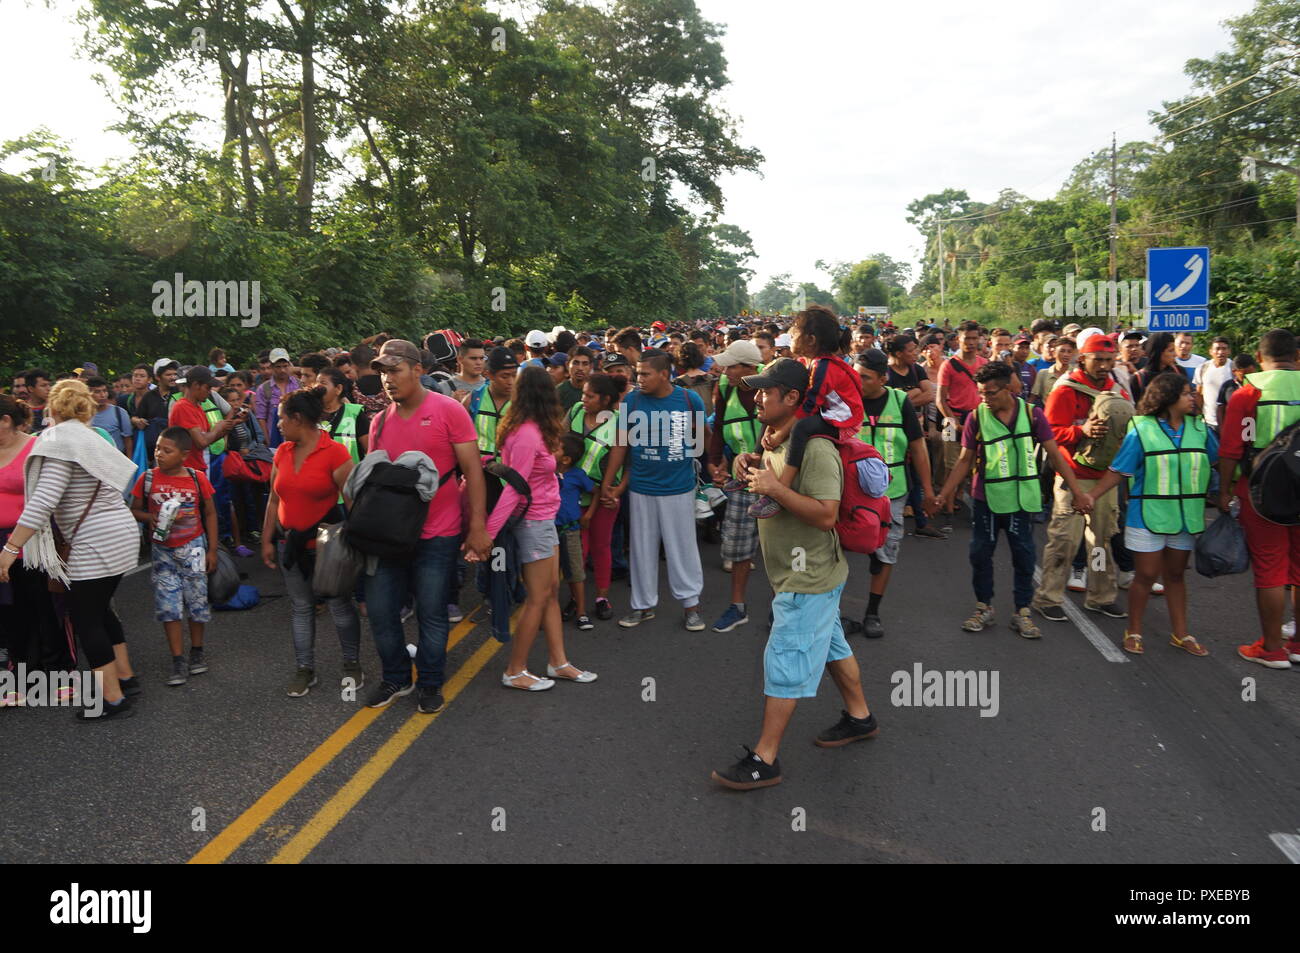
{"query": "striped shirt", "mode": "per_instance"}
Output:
(109, 539)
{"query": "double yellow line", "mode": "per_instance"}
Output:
(336, 808)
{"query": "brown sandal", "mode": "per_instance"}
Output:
(1133, 644)
(1188, 645)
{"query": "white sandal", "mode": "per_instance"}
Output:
(538, 684)
(554, 672)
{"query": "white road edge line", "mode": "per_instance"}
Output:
(1085, 625)
(1288, 844)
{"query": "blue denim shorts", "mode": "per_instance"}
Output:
(806, 634)
(1139, 540)
(180, 582)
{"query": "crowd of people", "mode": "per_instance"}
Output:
(546, 458)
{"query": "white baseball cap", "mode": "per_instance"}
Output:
(555, 333)
(783, 340)
(536, 339)
(279, 354)
(739, 352)
(162, 362)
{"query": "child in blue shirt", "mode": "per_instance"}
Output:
(569, 521)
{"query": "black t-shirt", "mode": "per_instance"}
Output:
(908, 382)
(874, 408)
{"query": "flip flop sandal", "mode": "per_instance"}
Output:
(1188, 645)
(1133, 644)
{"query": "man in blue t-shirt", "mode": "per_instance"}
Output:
(661, 433)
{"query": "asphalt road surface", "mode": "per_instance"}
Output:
(1162, 751)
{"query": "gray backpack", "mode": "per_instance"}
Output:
(1116, 410)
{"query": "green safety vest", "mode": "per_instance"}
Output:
(890, 440)
(1010, 470)
(595, 445)
(1279, 403)
(741, 429)
(486, 421)
(346, 431)
(1174, 479)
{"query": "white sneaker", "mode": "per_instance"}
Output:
(1124, 579)
(1288, 629)
(728, 566)
(1078, 580)
(1157, 588)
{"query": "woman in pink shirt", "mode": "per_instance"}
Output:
(528, 437)
(29, 627)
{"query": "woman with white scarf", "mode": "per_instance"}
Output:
(74, 481)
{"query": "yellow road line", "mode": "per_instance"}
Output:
(243, 827)
(337, 807)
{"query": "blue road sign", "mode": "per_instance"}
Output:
(1179, 285)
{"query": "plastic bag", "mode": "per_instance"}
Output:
(337, 564)
(1221, 549)
(223, 582)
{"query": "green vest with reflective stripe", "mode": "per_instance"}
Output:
(740, 428)
(890, 440)
(487, 420)
(595, 446)
(1174, 478)
(1279, 403)
(345, 432)
(1010, 470)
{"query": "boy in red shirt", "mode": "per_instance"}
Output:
(182, 561)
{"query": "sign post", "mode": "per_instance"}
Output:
(1178, 287)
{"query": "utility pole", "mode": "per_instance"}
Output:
(1114, 261)
(939, 238)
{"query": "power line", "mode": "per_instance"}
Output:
(1182, 109)
(1168, 137)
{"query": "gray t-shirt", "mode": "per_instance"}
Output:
(796, 556)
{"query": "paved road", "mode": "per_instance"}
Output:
(229, 768)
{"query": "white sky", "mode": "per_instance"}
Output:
(858, 108)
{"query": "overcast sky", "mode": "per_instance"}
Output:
(858, 108)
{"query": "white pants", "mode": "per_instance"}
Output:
(670, 520)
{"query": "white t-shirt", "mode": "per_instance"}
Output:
(1190, 365)
(1210, 380)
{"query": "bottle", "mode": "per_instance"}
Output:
(166, 517)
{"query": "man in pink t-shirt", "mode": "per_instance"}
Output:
(957, 395)
(440, 428)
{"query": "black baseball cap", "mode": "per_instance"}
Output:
(198, 374)
(500, 359)
(874, 359)
(784, 372)
(614, 359)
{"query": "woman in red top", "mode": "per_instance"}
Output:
(307, 478)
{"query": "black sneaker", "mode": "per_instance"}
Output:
(1111, 609)
(130, 686)
(569, 611)
(1052, 613)
(430, 701)
(604, 610)
(585, 623)
(749, 772)
(198, 664)
(122, 709)
(846, 730)
(386, 692)
(872, 627)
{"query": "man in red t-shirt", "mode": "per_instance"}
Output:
(957, 395)
(439, 427)
(1069, 412)
(1274, 549)
(188, 412)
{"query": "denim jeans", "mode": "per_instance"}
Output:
(220, 494)
(427, 574)
(302, 602)
(984, 543)
(501, 583)
(915, 497)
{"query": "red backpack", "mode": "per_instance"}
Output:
(863, 523)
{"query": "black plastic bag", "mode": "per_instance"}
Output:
(223, 582)
(1221, 549)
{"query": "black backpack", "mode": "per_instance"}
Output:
(388, 515)
(496, 475)
(1275, 478)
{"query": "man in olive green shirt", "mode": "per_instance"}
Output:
(579, 369)
(806, 566)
